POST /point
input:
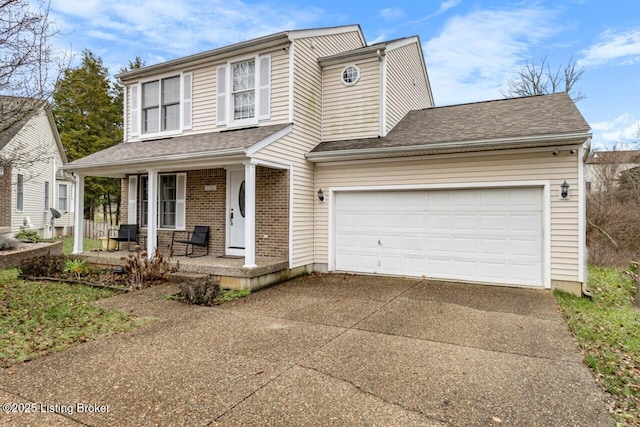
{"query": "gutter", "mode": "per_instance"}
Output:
(230, 50)
(179, 157)
(362, 153)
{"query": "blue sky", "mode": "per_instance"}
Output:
(471, 47)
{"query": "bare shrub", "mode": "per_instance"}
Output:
(613, 213)
(142, 272)
(200, 291)
(8, 242)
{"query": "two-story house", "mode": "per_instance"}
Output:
(31, 181)
(314, 148)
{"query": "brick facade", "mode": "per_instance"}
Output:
(5, 196)
(209, 208)
(272, 213)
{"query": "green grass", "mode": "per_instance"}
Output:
(37, 318)
(67, 244)
(608, 331)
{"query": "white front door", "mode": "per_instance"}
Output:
(236, 212)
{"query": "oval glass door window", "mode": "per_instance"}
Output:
(241, 199)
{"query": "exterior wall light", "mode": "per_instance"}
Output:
(564, 190)
(321, 195)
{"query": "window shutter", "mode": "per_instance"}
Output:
(134, 110)
(71, 194)
(181, 195)
(265, 88)
(221, 108)
(132, 205)
(187, 79)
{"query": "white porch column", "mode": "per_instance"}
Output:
(250, 216)
(152, 212)
(78, 218)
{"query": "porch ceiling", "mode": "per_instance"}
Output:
(186, 152)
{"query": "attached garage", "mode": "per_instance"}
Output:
(492, 235)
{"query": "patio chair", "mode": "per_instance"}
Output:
(198, 237)
(126, 233)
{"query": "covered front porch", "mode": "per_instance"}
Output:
(243, 201)
(230, 270)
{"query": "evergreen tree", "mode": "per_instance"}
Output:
(88, 112)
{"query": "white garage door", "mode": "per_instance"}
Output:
(481, 235)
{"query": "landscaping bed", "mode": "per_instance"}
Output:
(607, 329)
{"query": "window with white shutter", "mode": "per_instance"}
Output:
(187, 81)
(132, 200)
(181, 199)
(221, 107)
(134, 110)
(265, 88)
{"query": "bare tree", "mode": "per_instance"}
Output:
(29, 67)
(541, 79)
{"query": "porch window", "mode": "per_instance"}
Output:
(20, 193)
(62, 197)
(161, 105)
(167, 200)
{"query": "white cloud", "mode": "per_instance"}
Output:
(444, 6)
(623, 48)
(391, 13)
(622, 131)
(176, 28)
(474, 54)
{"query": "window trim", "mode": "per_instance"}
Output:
(180, 213)
(47, 202)
(258, 87)
(66, 197)
(20, 193)
(138, 109)
(353, 83)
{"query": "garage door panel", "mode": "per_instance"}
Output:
(487, 235)
(494, 222)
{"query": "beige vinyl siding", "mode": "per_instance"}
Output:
(204, 85)
(403, 67)
(352, 111)
(292, 148)
(464, 169)
(35, 139)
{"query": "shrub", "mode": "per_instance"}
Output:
(200, 291)
(28, 236)
(142, 272)
(42, 266)
(77, 267)
(8, 242)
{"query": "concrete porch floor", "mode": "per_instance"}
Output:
(229, 269)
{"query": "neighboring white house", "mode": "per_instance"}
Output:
(603, 168)
(31, 181)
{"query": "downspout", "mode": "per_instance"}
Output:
(585, 282)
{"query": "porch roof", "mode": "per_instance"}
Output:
(173, 150)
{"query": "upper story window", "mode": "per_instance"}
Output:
(244, 91)
(161, 105)
(350, 75)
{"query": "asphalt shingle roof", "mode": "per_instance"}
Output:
(500, 119)
(157, 149)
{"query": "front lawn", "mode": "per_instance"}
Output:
(608, 332)
(88, 244)
(37, 318)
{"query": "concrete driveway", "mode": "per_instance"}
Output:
(323, 350)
